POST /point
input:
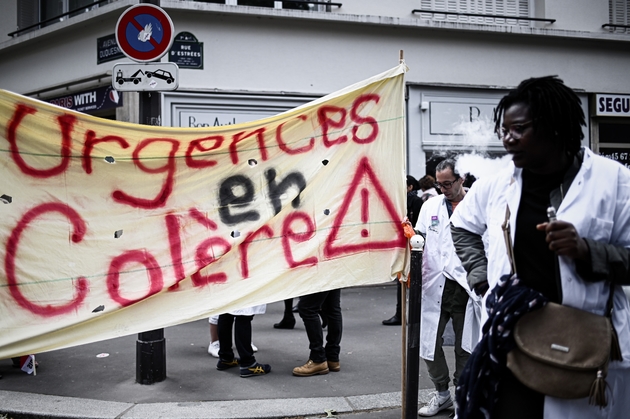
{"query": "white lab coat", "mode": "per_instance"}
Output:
(439, 259)
(250, 311)
(598, 205)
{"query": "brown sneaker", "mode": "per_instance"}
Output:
(334, 366)
(311, 368)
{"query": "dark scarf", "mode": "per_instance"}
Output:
(477, 387)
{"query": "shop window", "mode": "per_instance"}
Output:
(460, 11)
(614, 133)
(614, 141)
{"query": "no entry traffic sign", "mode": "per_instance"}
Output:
(144, 32)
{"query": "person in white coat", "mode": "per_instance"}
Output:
(445, 292)
(573, 260)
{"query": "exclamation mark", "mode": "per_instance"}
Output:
(364, 211)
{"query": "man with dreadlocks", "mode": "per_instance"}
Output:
(572, 260)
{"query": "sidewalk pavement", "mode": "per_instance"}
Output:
(98, 380)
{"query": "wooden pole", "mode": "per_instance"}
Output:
(403, 323)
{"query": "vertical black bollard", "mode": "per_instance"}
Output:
(151, 357)
(413, 328)
(150, 346)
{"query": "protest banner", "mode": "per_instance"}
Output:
(110, 228)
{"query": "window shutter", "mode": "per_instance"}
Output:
(619, 12)
(27, 13)
(518, 8)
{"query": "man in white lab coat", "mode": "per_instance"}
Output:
(445, 291)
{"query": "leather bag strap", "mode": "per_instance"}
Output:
(510, 253)
(508, 240)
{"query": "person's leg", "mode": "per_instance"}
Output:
(309, 308)
(396, 319)
(458, 312)
(438, 371)
(288, 319)
(213, 347)
(331, 308)
(243, 339)
(288, 308)
(438, 368)
(226, 353)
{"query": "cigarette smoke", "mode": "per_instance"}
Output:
(478, 136)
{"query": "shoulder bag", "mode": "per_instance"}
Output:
(563, 351)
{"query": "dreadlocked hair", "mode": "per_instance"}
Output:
(554, 107)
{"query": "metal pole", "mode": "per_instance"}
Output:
(413, 328)
(150, 346)
(403, 318)
(151, 357)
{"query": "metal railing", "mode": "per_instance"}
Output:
(38, 25)
(534, 19)
(323, 3)
(294, 2)
(43, 23)
(613, 26)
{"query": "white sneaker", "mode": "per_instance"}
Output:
(213, 349)
(435, 405)
(254, 348)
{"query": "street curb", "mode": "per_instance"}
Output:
(38, 406)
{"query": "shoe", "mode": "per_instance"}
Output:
(256, 369)
(285, 323)
(334, 366)
(213, 349)
(311, 368)
(393, 321)
(435, 405)
(224, 365)
(254, 348)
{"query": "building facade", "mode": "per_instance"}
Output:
(241, 60)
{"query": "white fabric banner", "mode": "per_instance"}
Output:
(111, 228)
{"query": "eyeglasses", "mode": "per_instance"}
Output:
(516, 131)
(445, 185)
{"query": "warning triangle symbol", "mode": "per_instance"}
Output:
(379, 226)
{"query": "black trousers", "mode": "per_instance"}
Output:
(242, 338)
(516, 401)
(309, 306)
